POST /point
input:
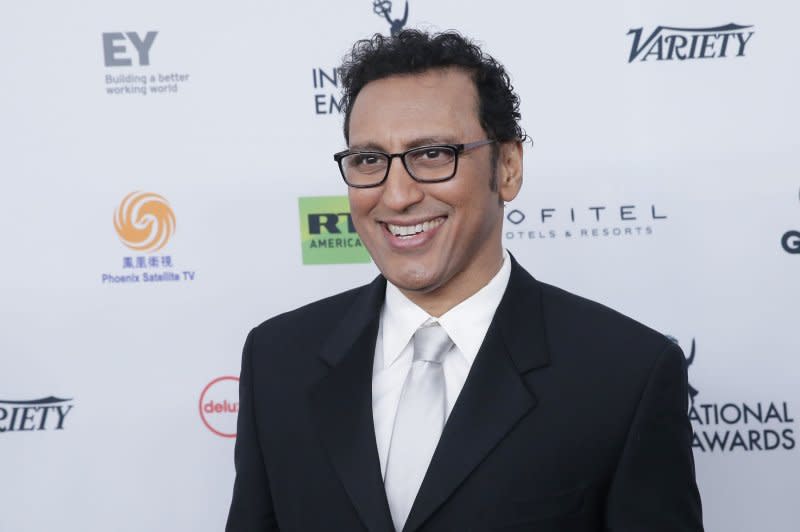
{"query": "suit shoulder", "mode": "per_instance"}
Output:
(312, 314)
(573, 316)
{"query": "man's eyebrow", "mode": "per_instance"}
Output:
(413, 143)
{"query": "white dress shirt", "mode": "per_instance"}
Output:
(466, 324)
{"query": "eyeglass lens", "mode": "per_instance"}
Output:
(428, 163)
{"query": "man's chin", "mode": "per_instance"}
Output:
(414, 280)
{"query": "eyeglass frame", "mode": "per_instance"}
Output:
(457, 148)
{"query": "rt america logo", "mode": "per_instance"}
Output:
(668, 43)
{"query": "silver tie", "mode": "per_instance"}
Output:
(418, 422)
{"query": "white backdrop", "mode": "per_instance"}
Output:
(234, 128)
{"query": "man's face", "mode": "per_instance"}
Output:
(458, 248)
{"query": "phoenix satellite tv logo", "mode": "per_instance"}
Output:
(145, 223)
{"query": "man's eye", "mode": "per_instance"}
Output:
(432, 156)
(433, 153)
(366, 160)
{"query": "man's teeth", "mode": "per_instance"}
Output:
(407, 230)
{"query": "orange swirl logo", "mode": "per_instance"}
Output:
(144, 221)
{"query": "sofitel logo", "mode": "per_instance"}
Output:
(594, 221)
(383, 8)
(47, 413)
(667, 43)
(738, 425)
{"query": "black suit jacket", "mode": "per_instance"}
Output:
(573, 418)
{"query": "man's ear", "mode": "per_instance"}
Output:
(509, 170)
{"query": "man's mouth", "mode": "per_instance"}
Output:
(411, 230)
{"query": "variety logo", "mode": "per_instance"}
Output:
(790, 242)
(383, 8)
(145, 222)
(327, 233)
(47, 413)
(593, 221)
(738, 425)
(132, 49)
(219, 406)
(668, 43)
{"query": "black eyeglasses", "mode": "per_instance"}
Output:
(426, 164)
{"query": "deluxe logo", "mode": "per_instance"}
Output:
(132, 49)
(219, 406)
(383, 8)
(738, 425)
(47, 413)
(327, 233)
(144, 221)
(668, 43)
(592, 221)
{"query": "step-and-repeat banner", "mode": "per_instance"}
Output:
(168, 184)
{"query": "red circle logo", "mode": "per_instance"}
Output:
(219, 406)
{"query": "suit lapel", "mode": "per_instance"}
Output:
(494, 397)
(342, 407)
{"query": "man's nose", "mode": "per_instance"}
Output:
(400, 191)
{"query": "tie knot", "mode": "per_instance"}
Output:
(431, 343)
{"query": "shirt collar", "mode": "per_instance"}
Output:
(466, 323)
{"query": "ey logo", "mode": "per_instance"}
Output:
(144, 221)
(327, 233)
(115, 53)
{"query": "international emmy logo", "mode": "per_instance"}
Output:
(383, 8)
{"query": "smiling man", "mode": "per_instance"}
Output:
(453, 392)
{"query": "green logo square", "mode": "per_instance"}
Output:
(327, 234)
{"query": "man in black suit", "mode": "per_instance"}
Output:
(455, 392)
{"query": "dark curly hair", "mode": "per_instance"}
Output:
(412, 51)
